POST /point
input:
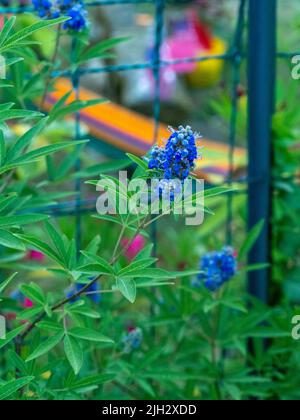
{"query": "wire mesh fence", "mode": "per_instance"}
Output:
(259, 18)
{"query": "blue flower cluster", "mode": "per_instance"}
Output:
(74, 9)
(177, 158)
(91, 292)
(216, 268)
(132, 340)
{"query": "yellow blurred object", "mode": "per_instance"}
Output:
(29, 394)
(208, 73)
(243, 104)
(45, 38)
(47, 375)
(40, 274)
(197, 392)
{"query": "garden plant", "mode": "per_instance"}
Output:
(92, 306)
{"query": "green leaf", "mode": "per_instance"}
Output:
(213, 192)
(105, 266)
(46, 346)
(13, 114)
(5, 283)
(7, 200)
(89, 335)
(254, 267)
(137, 265)
(74, 107)
(97, 50)
(30, 313)
(233, 391)
(73, 353)
(127, 287)
(11, 335)
(15, 40)
(138, 161)
(49, 326)
(7, 28)
(34, 293)
(91, 381)
(56, 238)
(111, 166)
(40, 246)
(22, 220)
(155, 273)
(13, 386)
(18, 362)
(251, 239)
(2, 149)
(46, 150)
(86, 312)
(8, 240)
(25, 140)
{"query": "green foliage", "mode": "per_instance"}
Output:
(68, 344)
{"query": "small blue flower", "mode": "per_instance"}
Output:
(78, 16)
(169, 189)
(216, 268)
(74, 9)
(177, 158)
(90, 292)
(132, 340)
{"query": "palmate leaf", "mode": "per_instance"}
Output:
(13, 386)
(7, 41)
(46, 346)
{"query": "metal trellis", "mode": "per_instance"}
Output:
(261, 56)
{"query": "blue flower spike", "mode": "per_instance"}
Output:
(217, 268)
(74, 9)
(177, 159)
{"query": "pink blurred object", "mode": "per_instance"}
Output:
(11, 316)
(189, 38)
(28, 303)
(137, 245)
(36, 256)
(181, 45)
